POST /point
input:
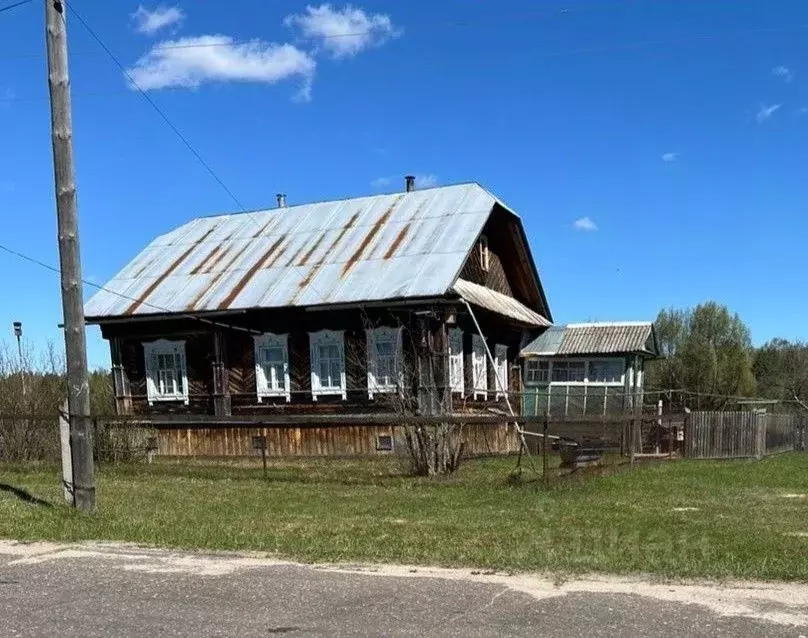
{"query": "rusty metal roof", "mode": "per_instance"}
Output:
(499, 303)
(628, 337)
(364, 249)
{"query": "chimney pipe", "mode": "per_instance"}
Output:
(409, 182)
(281, 200)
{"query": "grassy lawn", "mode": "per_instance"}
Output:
(680, 519)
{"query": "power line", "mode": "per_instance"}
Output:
(92, 284)
(8, 7)
(334, 36)
(153, 104)
(534, 52)
(499, 19)
(164, 117)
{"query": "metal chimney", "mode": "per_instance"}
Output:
(281, 200)
(409, 182)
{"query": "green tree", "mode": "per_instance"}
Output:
(706, 350)
(781, 370)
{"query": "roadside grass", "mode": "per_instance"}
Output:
(729, 519)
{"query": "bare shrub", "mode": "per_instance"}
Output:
(422, 389)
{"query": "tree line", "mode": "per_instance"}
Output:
(708, 356)
(33, 385)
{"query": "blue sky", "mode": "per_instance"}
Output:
(655, 149)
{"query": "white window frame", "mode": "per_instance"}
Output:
(586, 381)
(164, 347)
(614, 384)
(538, 362)
(479, 367)
(501, 370)
(384, 335)
(263, 387)
(457, 374)
(585, 363)
(327, 338)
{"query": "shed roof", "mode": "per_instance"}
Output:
(628, 337)
(498, 303)
(376, 248)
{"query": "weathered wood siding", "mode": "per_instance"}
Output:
(495, 277)
(360, 440)
(511, 270)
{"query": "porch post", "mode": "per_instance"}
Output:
(221, 386)
(120, 380)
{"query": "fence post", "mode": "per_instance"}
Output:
(761, 434)
(544, 473)
(632, 442)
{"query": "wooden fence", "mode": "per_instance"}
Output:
(747, 434)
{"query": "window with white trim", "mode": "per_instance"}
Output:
(599, 371)
(479, 367)
(456, 376)
(166, 371)
(537, 371)
(385, 360)
(272, 366)
(568, 372)
(606, 371)
(501, 365)
(327, 363)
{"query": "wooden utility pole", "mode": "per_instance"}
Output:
(78, 385)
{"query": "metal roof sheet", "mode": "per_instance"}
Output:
(497, 302)
(375, 248)
(594, 338)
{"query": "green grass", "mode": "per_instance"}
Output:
(369, 510)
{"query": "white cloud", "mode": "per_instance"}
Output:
(381, 182)
(189, 62)
(426, 181)
(670, 157)
(421, 181)
(584, 223)
(150, 22)
(802, 110)
(783, 72)
(766, 112)
(346, 32)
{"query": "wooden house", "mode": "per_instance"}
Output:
(328, 308)
(415, 302)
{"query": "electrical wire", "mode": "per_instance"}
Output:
(518, 18)
(153, 104)
(170, 124)
(196, 154)
(8, 7)
(532, 52)
(92, 284)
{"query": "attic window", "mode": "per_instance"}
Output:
(485, 256)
